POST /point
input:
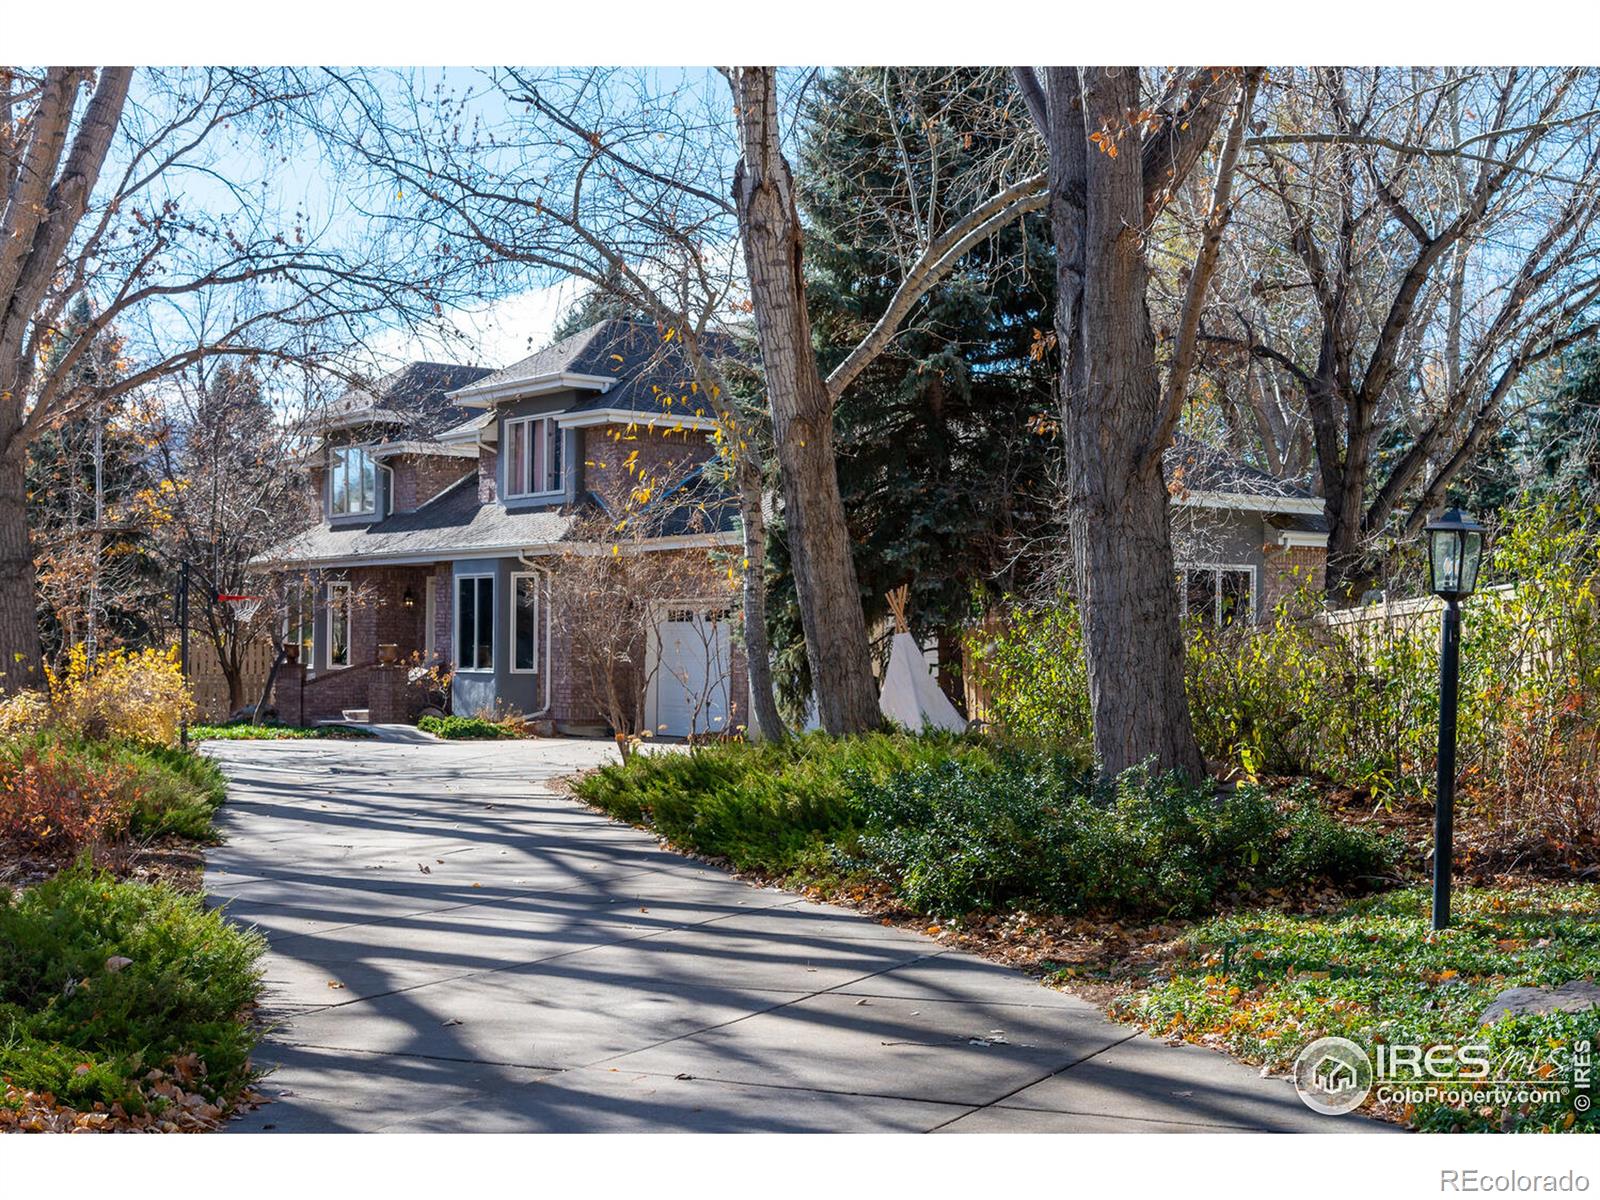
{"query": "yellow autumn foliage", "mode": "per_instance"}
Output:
(135, 696)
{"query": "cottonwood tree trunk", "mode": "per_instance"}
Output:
(20, 656)
(802, 417)
(1111, 408)
(764, 715)
(46, 178)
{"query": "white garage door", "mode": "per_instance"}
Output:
(689, 689)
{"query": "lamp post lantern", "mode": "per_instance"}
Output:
(1455, 551)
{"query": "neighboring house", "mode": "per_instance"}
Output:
(1243, 540)
(451, 495)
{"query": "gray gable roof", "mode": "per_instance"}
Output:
(1192, 465)
(413, 400)
(452, 525)
(643, 369)
(456, 524)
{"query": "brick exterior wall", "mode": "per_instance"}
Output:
(662, 456)
(1286, 570)
(488, 474)
(443, 614)
(305, 699)
(378, 615)
(418, 478)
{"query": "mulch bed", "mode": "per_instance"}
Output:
(173, 860)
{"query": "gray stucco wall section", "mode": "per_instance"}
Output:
(499, 689)
(1221, 537)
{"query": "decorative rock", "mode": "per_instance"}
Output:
(116, 962)
(1576, 995)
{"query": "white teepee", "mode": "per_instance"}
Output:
(910, 696)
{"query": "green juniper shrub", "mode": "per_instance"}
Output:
(176, 791)
(771, 807)
(466, 727)
(71, 1025)
(1031, 830)
(955, 824)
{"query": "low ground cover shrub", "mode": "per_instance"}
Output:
(1264, 984)
(103, 982)
(1031, 830)
(468, 727)
(59, 795)
(244, 731)
(956, 824)
(771, 807)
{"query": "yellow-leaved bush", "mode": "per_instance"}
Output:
(23, 714)
(138, 696)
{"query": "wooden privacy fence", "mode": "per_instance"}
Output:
(211, 685)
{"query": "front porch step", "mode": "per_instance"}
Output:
(356, 716)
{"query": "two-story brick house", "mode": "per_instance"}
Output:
(451, 495)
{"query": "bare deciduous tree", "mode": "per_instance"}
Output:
(1415, 241)
(135, 189)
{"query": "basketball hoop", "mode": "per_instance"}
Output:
(244, 607)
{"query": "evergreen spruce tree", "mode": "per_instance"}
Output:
(943, 442)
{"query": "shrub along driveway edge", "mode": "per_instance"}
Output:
(455, 946)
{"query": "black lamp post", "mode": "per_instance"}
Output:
(1455, 549)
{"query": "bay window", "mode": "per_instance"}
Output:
(532, 457)
(352, 482)
(475, 623)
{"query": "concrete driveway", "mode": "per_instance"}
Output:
(456, 948)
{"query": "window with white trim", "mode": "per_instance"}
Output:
(475, 623)
(1218, 595)
(532, 456)
(525, 587)
(299, 621)
(339, 599)
(352, 482)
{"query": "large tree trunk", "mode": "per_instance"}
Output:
(802, 418)
(764, 717)
(1110, 410)
(20, 654)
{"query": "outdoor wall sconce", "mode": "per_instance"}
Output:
(1455, 551)
(409, 599)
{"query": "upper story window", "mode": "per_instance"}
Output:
(532, 457)
(352, 482)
